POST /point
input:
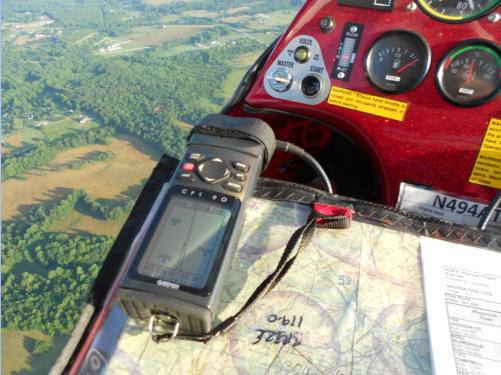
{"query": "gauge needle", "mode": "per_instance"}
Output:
(470, 71)
(406, 66)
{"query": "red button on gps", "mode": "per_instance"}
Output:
(188, 167)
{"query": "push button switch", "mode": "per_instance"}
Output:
(213, 171)
(242, 167)
(188, 167)
(186, 177)
(239, 177)
(233, 186)
(194, 157)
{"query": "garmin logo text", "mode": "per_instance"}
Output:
(166, 284)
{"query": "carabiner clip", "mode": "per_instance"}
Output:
(163, 322)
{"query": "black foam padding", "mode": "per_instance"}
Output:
(239, 127)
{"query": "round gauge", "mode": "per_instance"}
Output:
(457, 11)
(397, 61)
(469, 74)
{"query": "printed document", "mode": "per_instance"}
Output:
(462, 287)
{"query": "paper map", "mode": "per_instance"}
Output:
(351, 304)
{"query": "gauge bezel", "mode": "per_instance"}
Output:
(440, 71)
(430, 12)
(369, 57)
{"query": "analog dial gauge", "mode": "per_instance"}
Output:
(469, 74)
(457, 11)
(397, 61)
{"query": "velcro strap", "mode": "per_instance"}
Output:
(332, 217)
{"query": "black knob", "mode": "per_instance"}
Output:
(327, 24)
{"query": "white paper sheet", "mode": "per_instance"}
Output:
(462, 287)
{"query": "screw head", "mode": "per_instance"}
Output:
(494, 17)
(411, 7)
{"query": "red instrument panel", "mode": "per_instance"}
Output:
(331, 72)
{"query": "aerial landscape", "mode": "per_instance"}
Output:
(93, 93)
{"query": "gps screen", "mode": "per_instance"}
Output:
(185, 243)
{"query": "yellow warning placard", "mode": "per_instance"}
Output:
(372, 104)
(487, 168)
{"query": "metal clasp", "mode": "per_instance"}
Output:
(163, 327)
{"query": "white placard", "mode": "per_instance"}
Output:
(427, 202)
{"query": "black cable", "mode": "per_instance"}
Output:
(490, 210)
(300, 153)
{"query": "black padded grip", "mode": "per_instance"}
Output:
(239, 127)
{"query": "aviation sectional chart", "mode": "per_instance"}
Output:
(349, 305)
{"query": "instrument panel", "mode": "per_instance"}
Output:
(414, 84)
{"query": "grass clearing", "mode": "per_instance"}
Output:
(200, 13)
(87, 37)
(240, 66)
(235, 10)
(237, 19)
(158, 2)
(134, 162)
(17, 356)
(172, 51)
(15, 140)
(29, 133)
(77, 223)
(66, 126)
(154, 35)
(280, 17)
(184, 125)
(147, 36)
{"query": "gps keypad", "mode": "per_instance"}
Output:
(213, 171)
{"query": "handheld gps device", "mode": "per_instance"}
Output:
(182, 254)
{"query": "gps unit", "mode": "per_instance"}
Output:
(177, 266)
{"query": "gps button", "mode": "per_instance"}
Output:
(233, 186)
(186, 177)
(242, 167)
(213, 171)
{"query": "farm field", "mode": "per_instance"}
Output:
(133, 162)
(18, 356)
